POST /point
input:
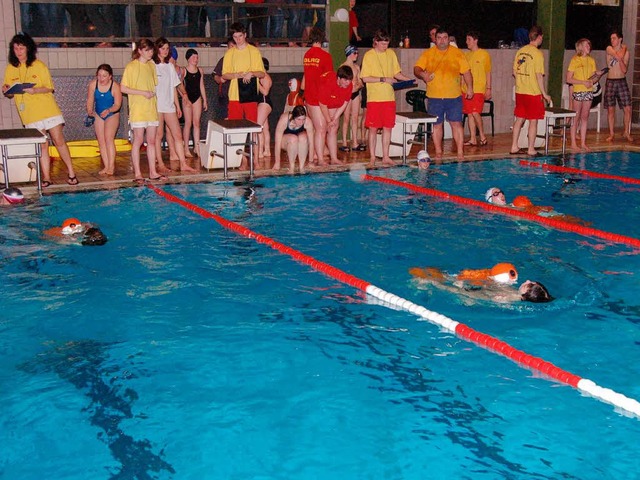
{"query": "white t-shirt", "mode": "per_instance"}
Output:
(166, 89)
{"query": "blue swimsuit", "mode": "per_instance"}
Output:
(104, 100)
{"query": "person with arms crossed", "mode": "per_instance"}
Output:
(616, 87)
(528, 70)
(440, 68)
(380, 68)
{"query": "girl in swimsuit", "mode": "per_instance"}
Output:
(265, 107)
(292, 137)
(104, 99)
(195, 103)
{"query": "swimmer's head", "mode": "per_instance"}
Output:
(504, 273)
(423, 159)
(71, 226)
(522, 202)
(94, 237)
(534, 292)
(13, 195)
(495, 196)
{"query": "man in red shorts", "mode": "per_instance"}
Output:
(335, 93)
(380, 69)
(528, 69)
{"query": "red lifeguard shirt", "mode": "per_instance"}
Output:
(331, 94)
(316, 62)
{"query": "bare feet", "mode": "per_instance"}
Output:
(388, 162)
(186, 168)
(266, 153)
(336, 162)
(162, 168)
(103, 172)
(276, 167)
(187, 153)
(610, 138)
(629, 138)
(584, 148)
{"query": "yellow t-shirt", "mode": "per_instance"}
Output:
(249, 59)
(480, 63)
(39, 106)
(447, 65)
(141, 76)
(380, 64)
(582, 68)
(528, 63)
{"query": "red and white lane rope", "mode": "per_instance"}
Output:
(514, 212)
(463, 331)
(578, 171)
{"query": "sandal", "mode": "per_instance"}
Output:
(72, 180)
(483, 142)
(344, 149)
(159, 178)
(470, 144)
(45, 183)
(361, 148)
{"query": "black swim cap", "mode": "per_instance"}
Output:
(94, 237)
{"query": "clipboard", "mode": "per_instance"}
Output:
(18, 88)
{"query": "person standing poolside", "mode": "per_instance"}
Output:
(104, 100)
(352, 112)
(37, 106)
(292, 137)
(579, 74)
(243, 66)
(139, 82)
(440, 68)
(528, 70)
(616, 87)
(353, 24)
(316, 62)
(335, 95)
(380, 68)
(169, 110)
(194, 103)
(480, 63)
(265, 107)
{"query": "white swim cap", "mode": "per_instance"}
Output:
(489, 195)
(423, 156)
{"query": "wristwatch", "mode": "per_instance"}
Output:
(381, 79)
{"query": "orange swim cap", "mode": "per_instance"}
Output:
(504, 273)
(522, 202)
(71, 226)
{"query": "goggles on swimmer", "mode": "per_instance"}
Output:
(491, 194)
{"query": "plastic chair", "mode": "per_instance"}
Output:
(417, 99)
(485, 113)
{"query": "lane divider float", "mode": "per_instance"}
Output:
(514, 212)
(578, 171)
(394, 301)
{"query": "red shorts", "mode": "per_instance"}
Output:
(529, 107)
(380, 115)
(475, 105)
(239, 111)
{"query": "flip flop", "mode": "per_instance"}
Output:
(469, 144)
(519, 152)
(159, 178)
(72, 180)
(45, 183)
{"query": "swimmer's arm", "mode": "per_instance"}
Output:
(280, 128)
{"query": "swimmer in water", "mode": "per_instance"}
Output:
(492, 291)
(73, 230)
(11, 196)
(501, 273)
(495, 196)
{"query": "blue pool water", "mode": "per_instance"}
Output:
(181, 350)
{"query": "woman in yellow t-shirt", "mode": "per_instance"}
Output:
(579, 75)
(36, 106)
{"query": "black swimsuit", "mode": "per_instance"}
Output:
(293, 131)
(192, 85)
